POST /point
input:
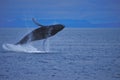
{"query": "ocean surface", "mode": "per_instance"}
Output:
(73, 54)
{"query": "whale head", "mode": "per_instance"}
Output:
(56, 28)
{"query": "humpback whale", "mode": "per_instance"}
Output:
(43, 32)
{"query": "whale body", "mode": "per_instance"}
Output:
(43, 32)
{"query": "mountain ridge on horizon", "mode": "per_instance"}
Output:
(67, 22)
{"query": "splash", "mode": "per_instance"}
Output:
(21, 48)
(46, 45)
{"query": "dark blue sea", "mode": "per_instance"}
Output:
(73, 54)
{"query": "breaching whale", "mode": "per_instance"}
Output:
(43, 32)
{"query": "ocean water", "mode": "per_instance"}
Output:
(73, 54)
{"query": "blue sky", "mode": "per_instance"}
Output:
(92, 11)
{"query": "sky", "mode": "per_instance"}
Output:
(73, 12)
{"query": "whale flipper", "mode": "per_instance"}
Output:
(36, 22)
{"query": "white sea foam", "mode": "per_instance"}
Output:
(21, 48)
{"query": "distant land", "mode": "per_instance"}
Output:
(67, 22)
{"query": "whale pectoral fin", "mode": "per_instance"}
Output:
(36, 22)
